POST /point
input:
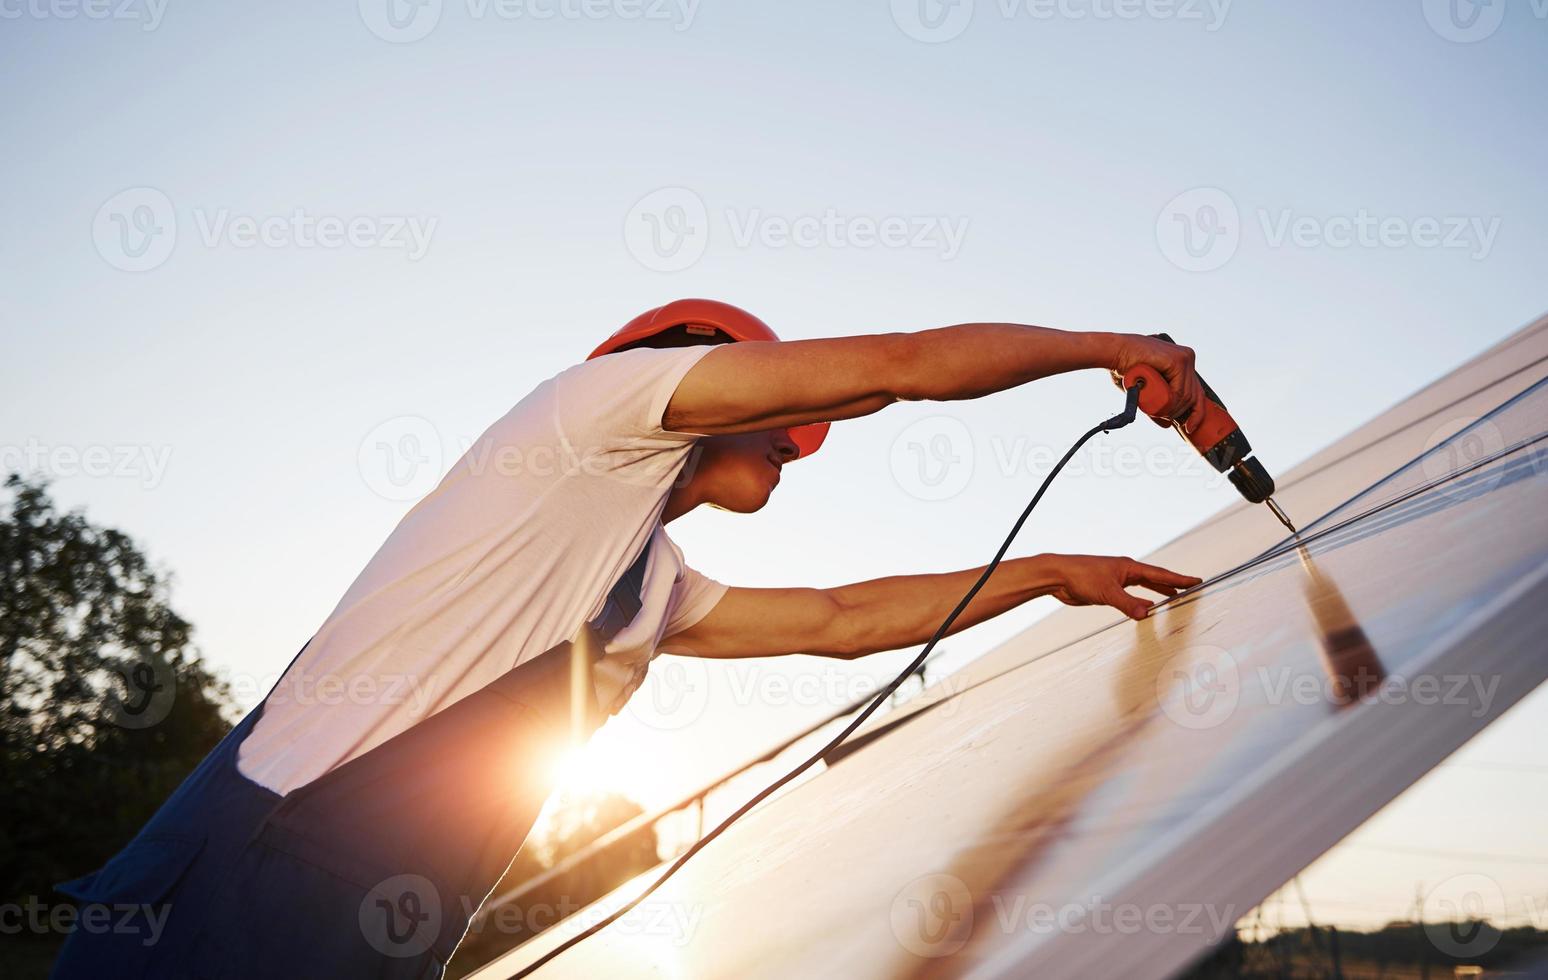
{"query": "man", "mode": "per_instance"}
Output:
(521, 602)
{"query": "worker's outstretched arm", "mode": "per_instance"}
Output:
(888, 613)
(751, 386)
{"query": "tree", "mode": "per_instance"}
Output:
(104, 704)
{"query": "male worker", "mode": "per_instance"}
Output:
(355, 835)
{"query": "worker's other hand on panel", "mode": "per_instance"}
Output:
(1174, 361)
(1098, 580)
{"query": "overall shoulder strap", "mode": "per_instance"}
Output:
(623, 602)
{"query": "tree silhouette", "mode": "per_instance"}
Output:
(104, 704)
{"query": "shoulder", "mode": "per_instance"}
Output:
(624, 393)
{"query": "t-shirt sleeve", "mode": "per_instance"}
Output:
(692, 599)
(616, 401)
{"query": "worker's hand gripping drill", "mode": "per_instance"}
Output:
(1207, 426)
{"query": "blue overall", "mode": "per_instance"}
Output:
(372, 870)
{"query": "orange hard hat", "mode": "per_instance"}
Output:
(706, 321)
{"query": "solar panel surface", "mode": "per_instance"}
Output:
(1102, 799)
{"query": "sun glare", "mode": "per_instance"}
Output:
(586, 770)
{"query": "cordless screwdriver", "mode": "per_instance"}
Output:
(1210, 429)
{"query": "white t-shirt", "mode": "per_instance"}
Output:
(507, 557)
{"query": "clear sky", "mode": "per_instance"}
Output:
(248, 246)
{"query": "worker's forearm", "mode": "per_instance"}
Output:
(888, 613)
(974, 359)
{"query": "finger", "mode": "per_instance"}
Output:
(1189, 401)
(1130, 605)
(1142, 574)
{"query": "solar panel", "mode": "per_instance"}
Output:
(1098, 798)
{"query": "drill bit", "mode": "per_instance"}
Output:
(1257, 486)
(1283, 517)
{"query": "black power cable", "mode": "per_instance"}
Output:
(1116, 422)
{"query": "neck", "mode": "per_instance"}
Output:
(679, 502)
